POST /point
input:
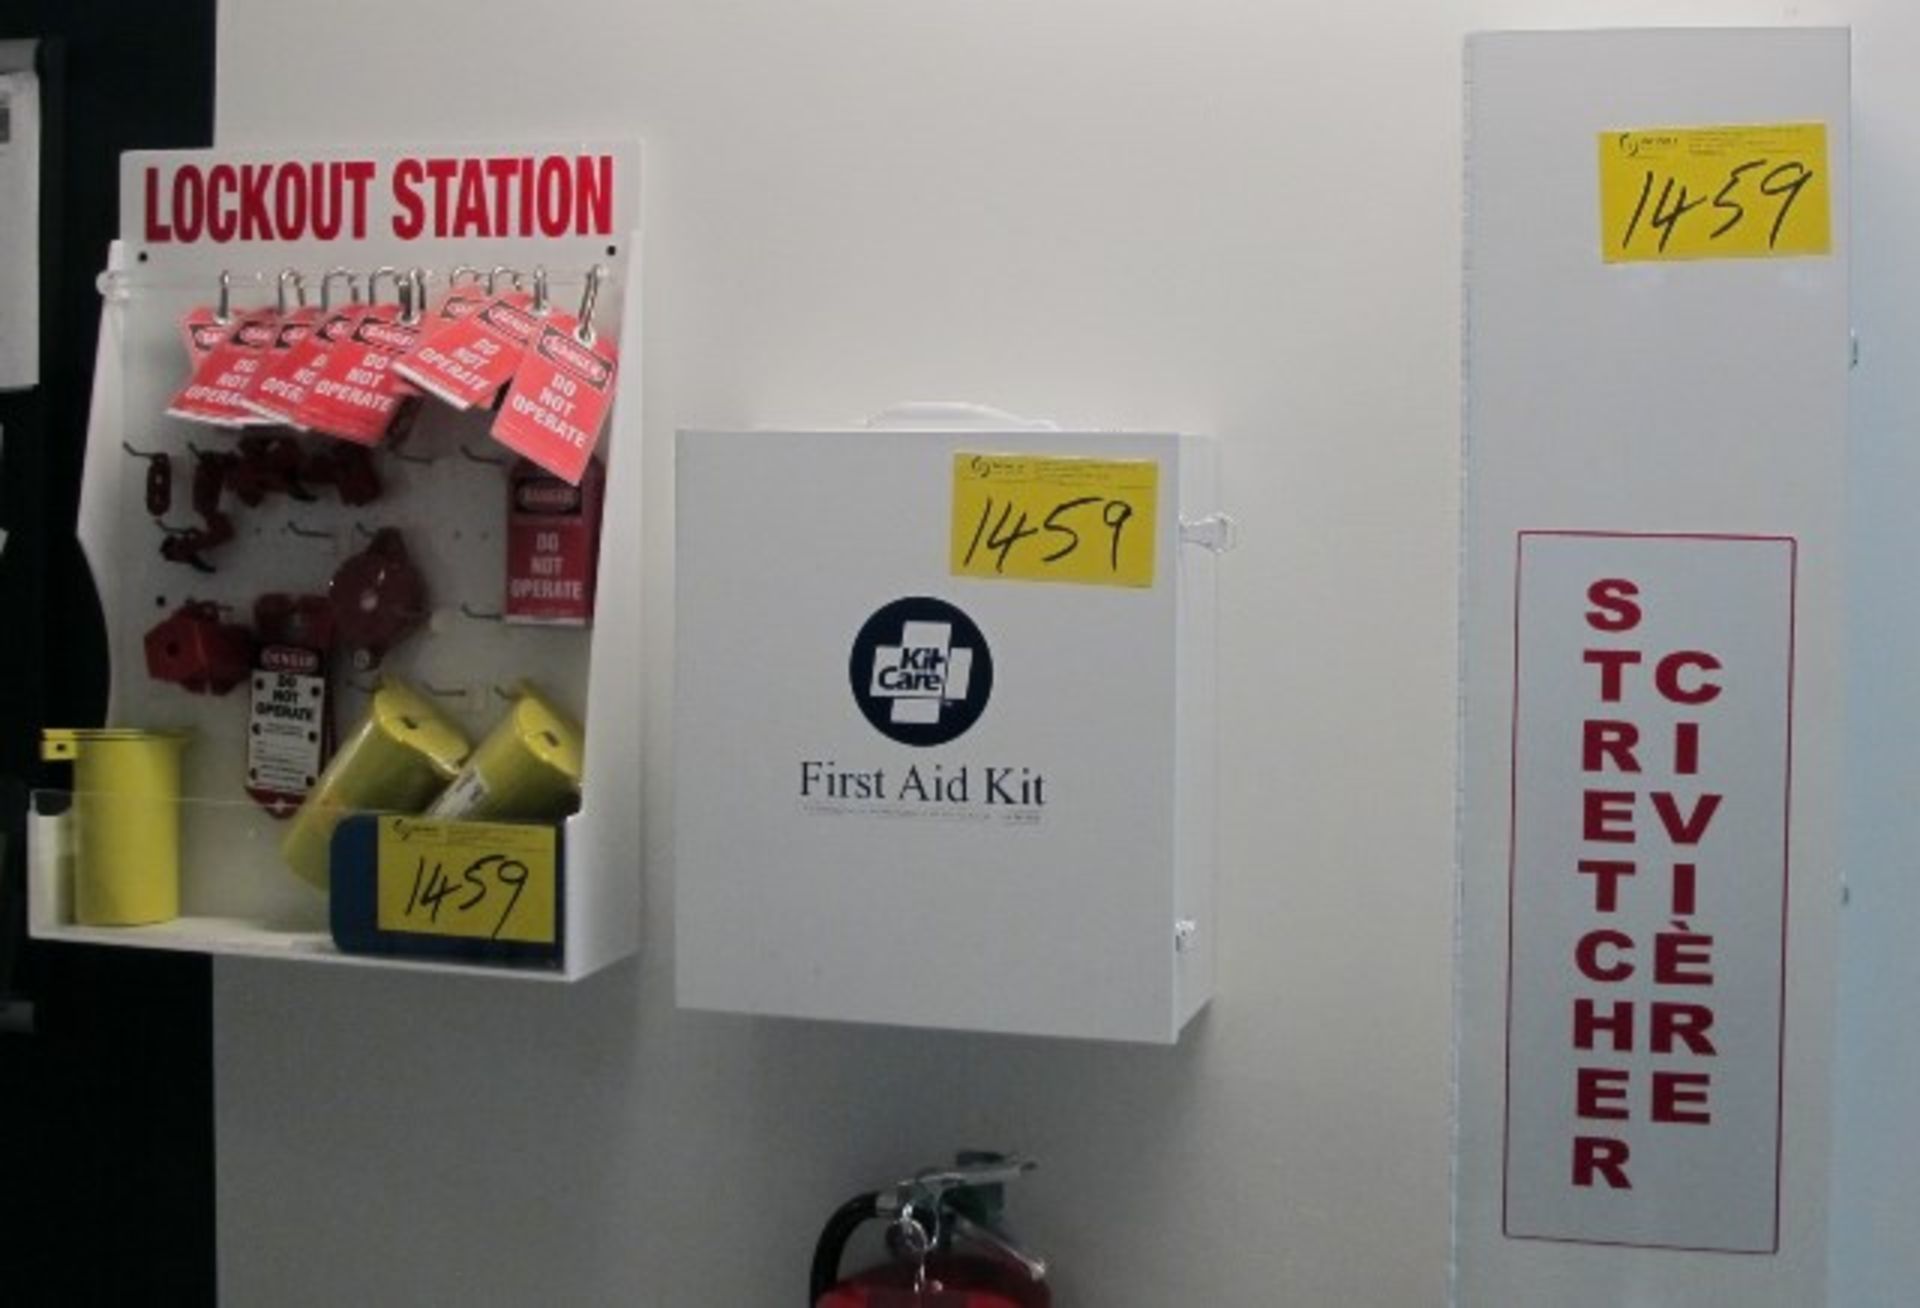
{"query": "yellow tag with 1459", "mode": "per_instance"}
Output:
(1739, 192)
(1029, 517)
(478, 880)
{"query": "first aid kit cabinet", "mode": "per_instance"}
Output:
(944, 729)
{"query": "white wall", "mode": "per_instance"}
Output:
(1229, 215)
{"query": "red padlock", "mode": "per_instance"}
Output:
(196, 650)
(350, 470)
(946, 1252)
(190, 545)
(159, 483)
(268, 465)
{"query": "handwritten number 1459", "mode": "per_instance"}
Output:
(999, 535)
(1783, 182)
(432, 887)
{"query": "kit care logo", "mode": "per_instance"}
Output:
(921, 671)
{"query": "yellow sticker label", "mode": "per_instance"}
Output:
(1741, 192)
(479, 880)
(1031, 517)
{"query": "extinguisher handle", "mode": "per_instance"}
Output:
(972, 1174)
(832, 1244)
(965, 1228)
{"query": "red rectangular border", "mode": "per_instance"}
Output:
(1786, 883)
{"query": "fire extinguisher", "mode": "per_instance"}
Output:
(943, 1234)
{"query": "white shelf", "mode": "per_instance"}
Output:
(242, 938)
(286, 920)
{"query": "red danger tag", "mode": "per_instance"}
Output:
(289, 727)
(460, 302)
(466, 362)
(289, 734)
(200, 331)
(286, 333)
(294, 330)
(553, 544)
(282, 391)
(559, 398)
(356, 393)
(216, 392)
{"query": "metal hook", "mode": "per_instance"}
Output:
(139, 454)
(413, 296)
(583, 330)
(306, 533)
(493, 277)
(326, 285)
(471, 457)
(280, 290)
(540, 289)
(444, 692)
(479, 615)
(464, 272)
(387, 271)
(223, 310)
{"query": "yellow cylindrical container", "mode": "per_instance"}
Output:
(402, 754)
(126, 813)
(528, 768)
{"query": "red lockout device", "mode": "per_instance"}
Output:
(198, 651)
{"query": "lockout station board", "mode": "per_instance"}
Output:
(190, 219)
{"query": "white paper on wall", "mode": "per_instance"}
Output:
(19, 230)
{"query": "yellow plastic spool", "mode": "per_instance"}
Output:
(126, 813)
(402, 754)
(528, 768)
